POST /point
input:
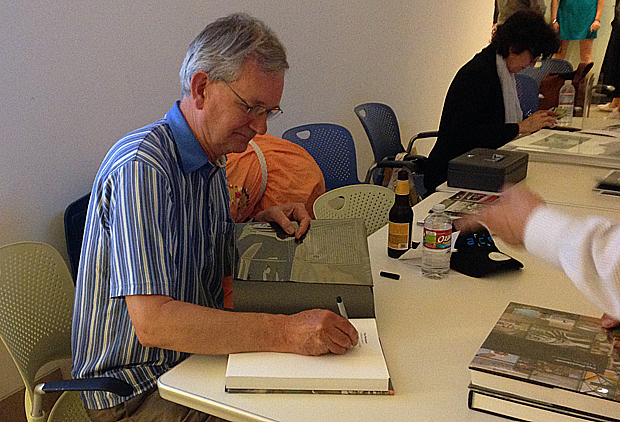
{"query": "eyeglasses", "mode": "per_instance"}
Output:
(257, 111)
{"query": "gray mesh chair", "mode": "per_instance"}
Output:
(36, 306)
(370, 202)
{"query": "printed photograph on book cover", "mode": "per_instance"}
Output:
(556, 348)
(464, 203)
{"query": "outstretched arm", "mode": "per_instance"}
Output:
(163, 322)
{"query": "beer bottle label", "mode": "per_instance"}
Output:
(402, 187)
(398, 236)
(437, 239)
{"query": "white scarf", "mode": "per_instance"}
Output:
(512, 108)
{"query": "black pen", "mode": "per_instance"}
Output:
(341, 308)
(389, 275)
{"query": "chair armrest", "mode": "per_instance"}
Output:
(409, 166)
(421, 135)
(112, 385)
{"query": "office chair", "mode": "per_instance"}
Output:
(36, 304)
(546, 67)
(370, 202)
(333, 149)
(75, 220)
(527, 91)
(381, 127)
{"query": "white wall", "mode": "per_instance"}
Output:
(75, 76)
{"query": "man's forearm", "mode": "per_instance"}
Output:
(169, 324)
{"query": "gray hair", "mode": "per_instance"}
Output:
(221, 49)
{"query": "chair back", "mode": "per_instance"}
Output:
(527, 91)
(546, 67)
(36, 306)
(75, 220)
(333, 149)
(370, 202)
(381, 126)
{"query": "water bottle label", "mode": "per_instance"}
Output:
(437, 239)
(566, 99)
(398, 236)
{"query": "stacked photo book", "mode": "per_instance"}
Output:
(540, 364)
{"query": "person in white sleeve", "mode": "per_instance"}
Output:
(587, 249)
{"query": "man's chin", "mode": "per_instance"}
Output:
(240, 146)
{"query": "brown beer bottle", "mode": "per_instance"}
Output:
(401, 219)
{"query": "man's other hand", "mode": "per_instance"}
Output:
(283, 214)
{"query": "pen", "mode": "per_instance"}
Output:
(341, 308)
(389, 275)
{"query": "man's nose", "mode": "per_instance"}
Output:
(259, 124)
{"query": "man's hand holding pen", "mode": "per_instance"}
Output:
(319, 331)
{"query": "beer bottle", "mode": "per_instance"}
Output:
(400, 219)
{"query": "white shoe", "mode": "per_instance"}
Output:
(615, 114)
(607, 107)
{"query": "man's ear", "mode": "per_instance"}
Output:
(199, 84)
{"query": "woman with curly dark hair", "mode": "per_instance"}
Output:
(481, 109)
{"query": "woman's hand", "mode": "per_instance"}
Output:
(537, 121)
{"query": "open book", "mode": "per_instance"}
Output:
(599, 147)
(361, 370)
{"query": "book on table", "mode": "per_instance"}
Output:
(275, 273)
(544, 364)
(361, 370)
(466, 202)
(589, 147)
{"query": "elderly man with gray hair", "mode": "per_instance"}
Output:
(157, 241)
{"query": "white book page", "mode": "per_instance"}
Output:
(288, 370)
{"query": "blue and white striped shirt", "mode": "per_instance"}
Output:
(158, 223)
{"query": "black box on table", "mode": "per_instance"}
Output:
(487, 169)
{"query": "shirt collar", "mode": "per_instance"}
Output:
(192, 155)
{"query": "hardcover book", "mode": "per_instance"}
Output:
(275, 273)
(468, 202)
(548, 361)
(361, 370)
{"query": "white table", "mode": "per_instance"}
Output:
(429, 329)
(565, 184)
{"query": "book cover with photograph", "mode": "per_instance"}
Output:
(466, 202)
(552, 357)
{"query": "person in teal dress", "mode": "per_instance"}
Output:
(577, 20)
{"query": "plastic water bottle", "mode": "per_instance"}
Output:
(566, 104)
(437, 243)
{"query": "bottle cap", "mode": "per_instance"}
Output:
(439, 208)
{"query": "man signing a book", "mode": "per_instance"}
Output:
(588, 250)
(158, 234)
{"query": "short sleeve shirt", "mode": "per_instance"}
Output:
(158, 223)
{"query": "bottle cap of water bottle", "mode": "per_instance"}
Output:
(439, 208)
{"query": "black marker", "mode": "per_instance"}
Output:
(389, 275)
(341, 308)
